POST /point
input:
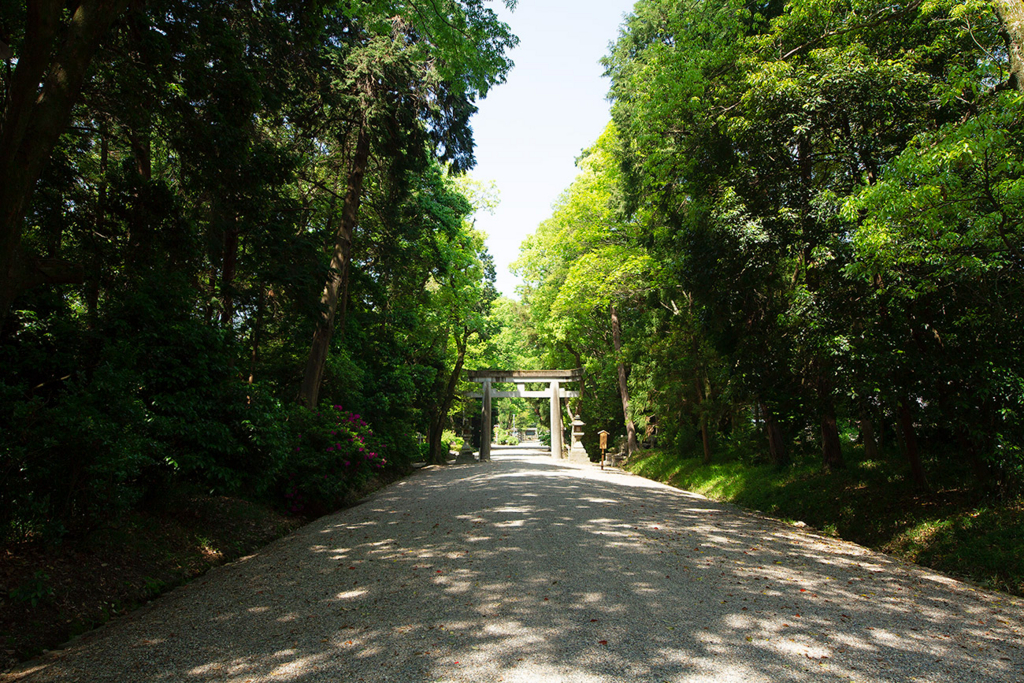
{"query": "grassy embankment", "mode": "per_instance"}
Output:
(950, 527)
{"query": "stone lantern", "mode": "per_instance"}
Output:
(466, 453)
(576, 451)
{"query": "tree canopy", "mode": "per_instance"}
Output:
(232, 232)
(807, 214)
(192, 192)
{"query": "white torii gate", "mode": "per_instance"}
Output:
(553, 378)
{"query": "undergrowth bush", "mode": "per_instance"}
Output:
(160, 406)
(76, 461)
(335, 453)
(504, 437)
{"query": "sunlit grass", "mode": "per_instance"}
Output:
(985, 544)
(951, 529)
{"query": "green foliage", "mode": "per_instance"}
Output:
(454, 443)
(982, 543)
(828, 196)
(34, 591)
(582, 263)
(154, 586)
(504, 437)
(200, 187)
(809, 215)
(334, 454)
(77, 461)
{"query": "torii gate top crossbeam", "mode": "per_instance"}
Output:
(525, 375)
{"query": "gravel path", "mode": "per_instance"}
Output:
(527, 570)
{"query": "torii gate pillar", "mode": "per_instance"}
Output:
(556, 421)
(485, 427)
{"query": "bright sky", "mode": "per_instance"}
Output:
(530, 130)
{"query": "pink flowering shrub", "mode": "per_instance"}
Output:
(333, 454)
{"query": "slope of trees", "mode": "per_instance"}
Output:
(804, 235)
(213, 212)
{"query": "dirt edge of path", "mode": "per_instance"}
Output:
(51, 594)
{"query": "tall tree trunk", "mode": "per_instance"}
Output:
(583, 377)
(704, 439)
(437, 422)
(212, 287)
(831, 448)
(141, 231)
(33, 122)
(337, 282)
(229, 266)
(1011, 14)
(954, 419)
(256, 334)
(867, 434)
(620, 366)
(982, 473)
(880, 436)
(901, 443)
(703, 417)
(910, 442)
(92, 285)
(142, 150)
(777, 452)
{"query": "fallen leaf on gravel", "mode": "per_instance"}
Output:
(602, 642)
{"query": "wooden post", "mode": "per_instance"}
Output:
(485, 428)
(556, 421)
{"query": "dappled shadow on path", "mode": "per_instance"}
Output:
(524, 569)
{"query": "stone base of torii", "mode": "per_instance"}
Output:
(553, 378)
